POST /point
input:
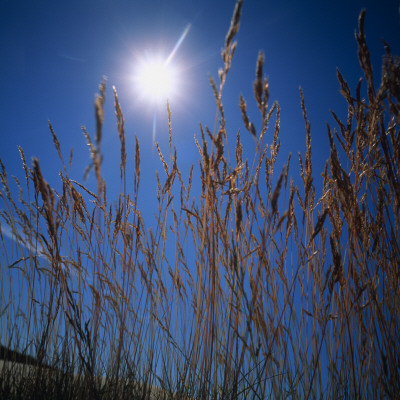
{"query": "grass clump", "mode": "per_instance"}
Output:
(286, 291)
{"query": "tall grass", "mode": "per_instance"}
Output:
(272, 290)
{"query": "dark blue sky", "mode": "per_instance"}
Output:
(54, 54)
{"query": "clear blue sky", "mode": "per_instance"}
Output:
(54, 54)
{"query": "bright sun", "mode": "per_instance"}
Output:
(156, 79)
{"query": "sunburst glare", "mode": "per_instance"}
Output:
(156, 79)
(157, 76)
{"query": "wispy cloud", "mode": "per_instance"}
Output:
(19, 239)
(71, 58)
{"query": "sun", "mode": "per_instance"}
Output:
(156, 79)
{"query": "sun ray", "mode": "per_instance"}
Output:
(178, 43)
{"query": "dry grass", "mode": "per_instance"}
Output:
(288, 292)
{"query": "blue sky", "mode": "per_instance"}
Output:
(54, 55)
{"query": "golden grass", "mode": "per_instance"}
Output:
(289, 291)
